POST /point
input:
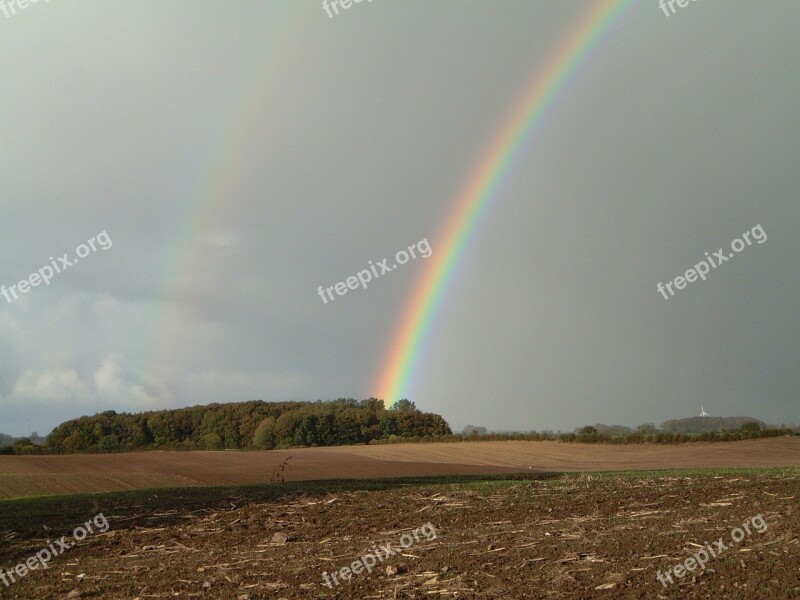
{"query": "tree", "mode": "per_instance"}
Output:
(751, 427)
(348, 426)
(163, 429)
(472, 431)
(373, 405)
(403, 406)
(108, 443)
(284, 428)
(305, 431)
(588, 434)
(389, 425)
(211, 441)
(25, 446)
(264, 437)
(80, 440)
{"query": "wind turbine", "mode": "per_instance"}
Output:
(703, 413)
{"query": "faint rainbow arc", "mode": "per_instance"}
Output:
(217, 165)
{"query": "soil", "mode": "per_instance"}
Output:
(573, 536)
(22, 476)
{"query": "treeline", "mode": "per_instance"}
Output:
(247, 425)
(708, 424)
(263, 425)
(35, 444)
(643, 435)
(618, 434)
(34, 438)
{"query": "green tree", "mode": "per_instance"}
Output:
(588, 434)
(211, 441)
(108, 443)
(389, 425)
(750, 427)
(264, 436)
(163, 429)
(284, 428)
(403, 405)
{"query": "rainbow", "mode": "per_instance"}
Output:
(219, 162)
(482, 188)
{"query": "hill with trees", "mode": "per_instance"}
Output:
(248, 425)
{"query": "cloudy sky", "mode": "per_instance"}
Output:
(240, 155)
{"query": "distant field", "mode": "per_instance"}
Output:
(22, 476)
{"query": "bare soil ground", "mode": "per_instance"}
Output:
(22, 476)
(567, 536)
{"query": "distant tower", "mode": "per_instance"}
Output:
(703, 413)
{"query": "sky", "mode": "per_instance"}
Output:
(227, 160)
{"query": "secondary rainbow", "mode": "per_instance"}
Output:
(482, 188)
(218, 163)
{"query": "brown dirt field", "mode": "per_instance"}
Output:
(555, 456)
(22, 476)
(576, 537)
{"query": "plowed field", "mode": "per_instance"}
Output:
(573, 536)
(22, 476)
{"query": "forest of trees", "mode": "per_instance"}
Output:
(248, 425)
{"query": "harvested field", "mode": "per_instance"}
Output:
(572, 536)
(22, 476)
